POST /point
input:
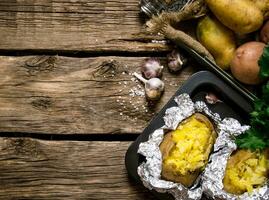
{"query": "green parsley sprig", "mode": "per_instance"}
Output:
(257, 137)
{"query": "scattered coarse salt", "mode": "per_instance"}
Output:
(159, 41)
(135, 91)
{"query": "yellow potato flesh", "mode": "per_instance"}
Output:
(185, 151)
(246, 171)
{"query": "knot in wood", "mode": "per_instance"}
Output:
(24, 147)
(42, 103)
(40, 64)
(106, 68)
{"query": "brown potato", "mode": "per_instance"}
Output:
(264, 34)
(244, 65)
(168, 144)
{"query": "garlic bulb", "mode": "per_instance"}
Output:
(152, 68)
(154, 87)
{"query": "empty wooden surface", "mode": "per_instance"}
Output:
(75, 25)
(36, 169)
(85, 108)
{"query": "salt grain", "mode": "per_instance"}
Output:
(135, 91)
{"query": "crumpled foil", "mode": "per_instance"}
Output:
(210, 181)
(150, 171)
(212, 184)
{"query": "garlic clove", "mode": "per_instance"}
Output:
(152, 68)
(176, 61)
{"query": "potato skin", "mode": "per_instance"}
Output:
(217, 39)
(244, 65)
(241, 16)
(167, 145)
(263, 5)
(264, 34)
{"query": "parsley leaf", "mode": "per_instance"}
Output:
(251, 140)
(264, 63)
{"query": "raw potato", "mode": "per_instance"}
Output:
(244, 65)
(168, 144)
(264, 34)
(263, 5)
(242, 16)
(217, 39)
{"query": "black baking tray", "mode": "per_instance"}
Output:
(233, 105)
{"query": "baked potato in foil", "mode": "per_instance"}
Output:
(185, 151)
(246, 170)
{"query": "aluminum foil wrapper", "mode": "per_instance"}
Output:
(212, 184)
(150, 171)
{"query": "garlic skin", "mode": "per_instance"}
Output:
(212, 98)
(176, 61)
(152, 68)
(154, 87)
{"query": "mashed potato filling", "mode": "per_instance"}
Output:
(246, 171)
(191, 145)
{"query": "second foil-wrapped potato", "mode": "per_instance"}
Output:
(185, 151)
(246, 170)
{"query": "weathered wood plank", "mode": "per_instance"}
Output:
(74, 25)
(36, 169)
(52, 94)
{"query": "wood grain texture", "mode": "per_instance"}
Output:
(75, 25)
(52, 94)
(36, 169)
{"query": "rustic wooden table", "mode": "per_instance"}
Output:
(69, 106)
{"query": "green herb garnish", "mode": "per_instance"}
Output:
(263, 63)
(257, 137)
